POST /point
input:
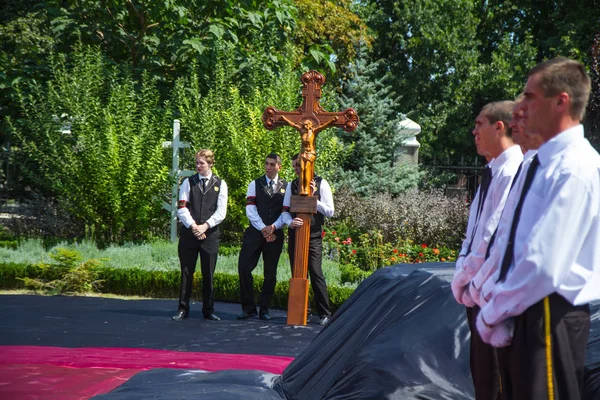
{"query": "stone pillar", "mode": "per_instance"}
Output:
(408, 151)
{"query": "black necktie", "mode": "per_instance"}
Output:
(271, 184)
(486, 180)
(509, 255)
(493, 238)
(204, 184)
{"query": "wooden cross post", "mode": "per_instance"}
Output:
(309, 119)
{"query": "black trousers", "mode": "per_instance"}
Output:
(484, 362)
(188, 250)
(253, 245)
(315, 270)
(525, 365)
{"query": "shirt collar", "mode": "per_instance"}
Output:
(207, 177)
(529, 154)
(498, 162)
(558, 143)
(274, 179)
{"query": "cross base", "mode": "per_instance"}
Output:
(303, 207)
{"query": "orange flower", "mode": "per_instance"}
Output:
(393, 259)
(442, 259)
(436, 251)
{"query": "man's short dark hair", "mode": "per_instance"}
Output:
(274, 156)
(499, 111)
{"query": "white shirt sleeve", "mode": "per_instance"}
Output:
(492, 210)
(470, 224)
(325, 204)
(287, 199)
(221, 211)
(183, 213)
(251, 210)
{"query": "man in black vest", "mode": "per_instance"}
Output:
(264, 204)
(202, 206)
(321, 189)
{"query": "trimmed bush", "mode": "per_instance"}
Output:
(162, 284)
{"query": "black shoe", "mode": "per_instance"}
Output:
(265, 316)
(245, 315)
(212, 317)
(324, 321)
(181, 315)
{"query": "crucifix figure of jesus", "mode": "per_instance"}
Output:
(309, 119)
(308, 150)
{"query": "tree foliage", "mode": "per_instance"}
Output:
(371, 166)
(451, 57)
(93, 138)
(327, 34)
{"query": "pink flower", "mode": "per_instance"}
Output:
(337, 239)
(349, 240)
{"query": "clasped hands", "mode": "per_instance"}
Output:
(200, 230)
(268, 233)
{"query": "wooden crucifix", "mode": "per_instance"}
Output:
(309, 119)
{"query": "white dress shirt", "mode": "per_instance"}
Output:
(324, 204)
(219, 215)
(504, 168)
(557, 242)
(252, 211)
(488, 274)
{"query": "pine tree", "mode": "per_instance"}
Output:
(371, 167)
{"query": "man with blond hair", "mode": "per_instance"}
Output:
(202, 206)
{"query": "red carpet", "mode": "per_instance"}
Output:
(36, 372)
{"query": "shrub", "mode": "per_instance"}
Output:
(423, 216)
(7, 239)
(65, 275)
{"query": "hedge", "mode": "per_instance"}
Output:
(165, 284)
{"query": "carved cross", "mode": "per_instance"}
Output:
(309, 119)
(311, 108)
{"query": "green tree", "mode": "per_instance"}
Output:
(327, 33)
(93, 138)
(371, 167)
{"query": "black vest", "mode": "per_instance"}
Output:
(318, 219)
(269, 205)
(202, 204)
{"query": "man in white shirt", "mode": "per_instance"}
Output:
(484, 280)
(551, 267)
(264, 236)
(321, 189)
(494, 141)
(202, 206)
